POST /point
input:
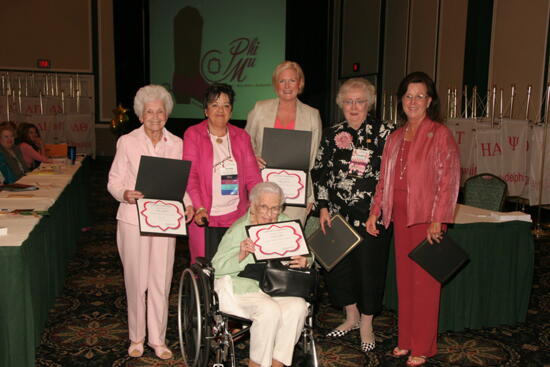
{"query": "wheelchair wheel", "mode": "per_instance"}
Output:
(194, 317)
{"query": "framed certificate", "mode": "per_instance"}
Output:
(293, 183)
(161, 211)
(332, 247)
(161, 217)
(278, 240)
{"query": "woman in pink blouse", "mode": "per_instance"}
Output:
(147, 260)
(31, 145)
(417, 191)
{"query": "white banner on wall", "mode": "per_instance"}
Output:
(512, 150)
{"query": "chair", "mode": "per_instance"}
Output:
(204, 334)
(485, 191)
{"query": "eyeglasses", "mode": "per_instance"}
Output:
(264, 209)
(410, 97)
(351, 102)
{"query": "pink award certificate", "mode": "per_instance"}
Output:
(278, 240)
(161, 217)
(293, 183)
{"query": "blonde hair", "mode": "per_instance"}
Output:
(288, 65)
(357, 83)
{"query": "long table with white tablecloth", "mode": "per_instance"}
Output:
(35, 252)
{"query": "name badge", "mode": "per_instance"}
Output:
(230, 178)
(359, 160)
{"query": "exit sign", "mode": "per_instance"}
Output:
(43, 63)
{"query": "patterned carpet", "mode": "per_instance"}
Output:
(87, 325)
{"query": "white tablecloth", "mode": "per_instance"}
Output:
(51, 180)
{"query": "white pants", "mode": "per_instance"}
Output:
(277, 323)
(148, 264)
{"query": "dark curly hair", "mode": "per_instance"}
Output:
(213, 92)
(434, 109)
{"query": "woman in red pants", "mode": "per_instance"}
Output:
(417, 191)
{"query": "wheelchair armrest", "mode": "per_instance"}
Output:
(203, 262)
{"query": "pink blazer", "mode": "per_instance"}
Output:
(198, 150)
(123, 173)
(433, 175)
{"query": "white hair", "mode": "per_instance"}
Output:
(151, 93)
(266, 187)
(357, 83)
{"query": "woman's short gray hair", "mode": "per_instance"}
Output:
(266, 187)
(151, 93)
(357, 83)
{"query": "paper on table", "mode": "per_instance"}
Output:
(465, 214)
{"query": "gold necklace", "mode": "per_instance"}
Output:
(219, 140)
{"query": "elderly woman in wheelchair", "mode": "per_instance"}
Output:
(277, 322)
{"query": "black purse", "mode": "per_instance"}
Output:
(279, 280)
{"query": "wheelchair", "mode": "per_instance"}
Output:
(204, 335)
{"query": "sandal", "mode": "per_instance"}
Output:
(398, 352)
(161, 351)
(135, 349)
(415, 361)
(337, 333)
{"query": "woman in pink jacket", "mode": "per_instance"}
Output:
(223, 171)
(147, 260)
(417, 190)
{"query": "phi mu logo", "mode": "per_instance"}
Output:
(193, 70)
(242, 55)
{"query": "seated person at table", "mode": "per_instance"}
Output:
(30, 144)
(276, 321)
(12, 165)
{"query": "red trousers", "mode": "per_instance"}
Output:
(418, 292)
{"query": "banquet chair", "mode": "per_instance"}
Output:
(204, 334)
(485, 191)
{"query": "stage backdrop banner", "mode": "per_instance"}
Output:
(194, 43)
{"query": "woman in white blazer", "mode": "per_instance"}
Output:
(286, 112)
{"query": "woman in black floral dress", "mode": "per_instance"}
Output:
(344, 176)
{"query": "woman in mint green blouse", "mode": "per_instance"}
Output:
(276, 321)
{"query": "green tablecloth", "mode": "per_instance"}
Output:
(32, 275)
(494, 287)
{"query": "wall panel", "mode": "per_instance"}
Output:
(360, 37)
(60, 32)
(518, 52)
(450, 57)
(423, 36)
(395, 44)
(106, 67)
